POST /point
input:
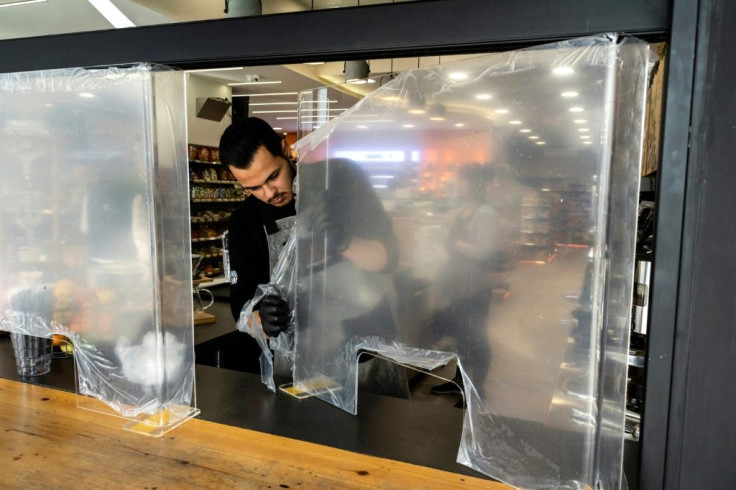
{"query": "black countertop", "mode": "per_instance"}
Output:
(412, 431)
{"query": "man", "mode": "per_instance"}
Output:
(259, 228)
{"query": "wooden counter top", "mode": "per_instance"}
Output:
(46, 441)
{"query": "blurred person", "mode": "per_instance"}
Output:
(466, 281)
(351, 217)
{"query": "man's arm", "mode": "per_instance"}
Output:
(248, 266)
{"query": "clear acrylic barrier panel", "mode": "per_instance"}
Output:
(95, 227)
(483, 210)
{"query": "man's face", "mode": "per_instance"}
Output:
(269, 178)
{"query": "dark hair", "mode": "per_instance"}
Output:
(477, 176)
(242, 139)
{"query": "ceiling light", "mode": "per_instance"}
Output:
(516, 122)
(458, 75)
(501, 111)
(274, 112)
(583, 130)
(484, 96)
(111, 13)
(525, 130)
(266, 82)
(273, 94)
(585, 137)
(436, 118)
(576, 109)
(20, 2)
(541, 143)
(580, 121)
(215, 69)
(587, 143)
(392, 98)
(285, 118)
(357, 71)
(563, 70)
(315, 63)
(277, 129)
(459, 125)
(86, 95)
(533, 137)
(272, 103)
(569, 94)
(361, 126)
(417, 111)
(407, 126)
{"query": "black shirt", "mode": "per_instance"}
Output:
(250, 259)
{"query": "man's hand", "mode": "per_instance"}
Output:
(275, 315)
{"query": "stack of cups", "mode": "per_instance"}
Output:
(32, 354)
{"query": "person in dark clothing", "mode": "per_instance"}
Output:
(259, 228)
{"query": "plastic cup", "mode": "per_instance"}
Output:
(32, 354)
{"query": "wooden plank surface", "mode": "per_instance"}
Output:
(47, 442)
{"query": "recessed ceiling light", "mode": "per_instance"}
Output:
(417, 111)
(580, 121)
(86, 95)
(275, 112)
(407, 126)
(541, 143)
(585, 137)
(278, 129)
(525, 130)
(501, 111)
(272, 94)
(458, 75)
(111, 13)
(587, 142)
(576, 109)
(20, 2)
(361, 126)
(315, 63)
(533, 137)
(569, 94)
(436, 118)
(252, 104)
(563, 70)
(583, 130)
(459, 125)
(516, 122)
(484, 96)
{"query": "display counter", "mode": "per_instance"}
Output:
(48, 441)
(238, 413)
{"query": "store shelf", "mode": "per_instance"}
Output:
(205, 163)
(204, 181)
(207, 239)
(219, 200)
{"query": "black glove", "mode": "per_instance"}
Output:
(275, 315)
(328, 222)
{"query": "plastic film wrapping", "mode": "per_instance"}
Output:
(95, 226)
(493, 201)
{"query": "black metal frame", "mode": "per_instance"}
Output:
(462, 26)
(409, 28)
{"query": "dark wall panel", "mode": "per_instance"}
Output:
(702, 427)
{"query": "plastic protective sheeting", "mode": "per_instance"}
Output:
(95, 230)
(484, 209)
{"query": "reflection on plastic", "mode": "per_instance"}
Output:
(95, 227)
(494, 204)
